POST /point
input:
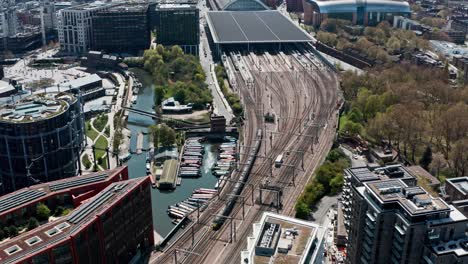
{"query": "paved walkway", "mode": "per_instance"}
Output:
(219, 102)
(89, 151)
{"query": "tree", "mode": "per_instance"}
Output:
(59, 211)
(32, 223)
(438, 163)
(2, 234)
(6, 231)
(162, 135)
(42, 212)
(459, 157)
(302, 210)
(12, 231)
(426, 158)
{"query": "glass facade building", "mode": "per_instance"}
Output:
(178, 24)
(123, 28)
(41, 138)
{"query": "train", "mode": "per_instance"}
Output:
(239, 186)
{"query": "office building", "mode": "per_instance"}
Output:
(75, 26)
(122, 28)
(460, 24)
(178, 24)
(369, 12)
(110, 227)
(42, 136)
(390, 219)
(281, 239)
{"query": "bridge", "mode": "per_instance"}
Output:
(180, 124)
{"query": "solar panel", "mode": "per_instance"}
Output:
(19, 198)
(76, 182)
(84, 211)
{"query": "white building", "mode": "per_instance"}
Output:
(75, 26)
(282, 239)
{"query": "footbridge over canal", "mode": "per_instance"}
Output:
(179, 124)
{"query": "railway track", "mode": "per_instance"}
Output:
(259, 175)
(283, 85)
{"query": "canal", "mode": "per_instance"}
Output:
(136, 165)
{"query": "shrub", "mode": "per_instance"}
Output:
(42, 212)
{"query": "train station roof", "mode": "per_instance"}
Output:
(242, 27)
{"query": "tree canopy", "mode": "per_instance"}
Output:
(177, 74)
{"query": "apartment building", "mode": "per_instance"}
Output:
(390, 219)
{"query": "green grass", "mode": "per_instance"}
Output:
(66, 211)
(100, 122)
(90, 132)
(101, 145)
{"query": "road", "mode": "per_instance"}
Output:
(219, 103)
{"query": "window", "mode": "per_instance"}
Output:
(33, 240)
(12, 250)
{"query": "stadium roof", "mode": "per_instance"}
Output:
(350, 6)
(253, 27)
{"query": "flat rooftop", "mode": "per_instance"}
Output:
(175, 6)
(253, 27)
(460, 183)
(298, 233)
(414, 200)
(126, 7)
(17, 249)
(36, 107)
(366, 174)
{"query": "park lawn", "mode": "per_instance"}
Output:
(101, 145)
(100, 122)
(90, 132)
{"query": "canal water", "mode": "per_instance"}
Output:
(136, 165)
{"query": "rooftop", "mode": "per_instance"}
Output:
(298, 234)
(350, 6)
(175, 6)
(77, 83)
(169, 172)
(126, 7)
(460, 183)
(253, 27)
(6, 87)
(89, 6)
(414, 200)
(366, 174)
(36, 192)
(36, 107)
(22, 246)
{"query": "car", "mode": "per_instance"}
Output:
(355, 156)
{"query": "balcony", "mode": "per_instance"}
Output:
(370, 217)
(369, 232)
(400, 230)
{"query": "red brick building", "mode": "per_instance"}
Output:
(110, 227)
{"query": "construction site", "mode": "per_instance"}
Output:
(291, 99)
